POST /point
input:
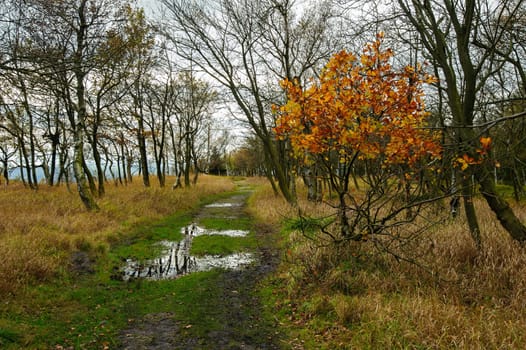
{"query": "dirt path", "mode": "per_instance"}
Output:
(240, 312)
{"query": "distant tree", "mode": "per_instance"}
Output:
(194, 105)
(159, 102)
(246, 160)
(162, 103)
(141, 60)
(217, 162)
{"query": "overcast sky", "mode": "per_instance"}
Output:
(150, 6)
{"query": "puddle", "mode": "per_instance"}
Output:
(194, 230)
(223, 205)
(177, 261)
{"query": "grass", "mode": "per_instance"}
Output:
(506, 191)
(51, 307)
(91, 312)
(328, 297)
(7, 337)
(224, 223)
(44, 304)
(323, 297)
(222, 245)
(138, 245)
(39, 230)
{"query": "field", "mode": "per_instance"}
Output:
(320, 297)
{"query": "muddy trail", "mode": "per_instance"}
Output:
(231, 302)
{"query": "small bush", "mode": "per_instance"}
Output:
(453, 296)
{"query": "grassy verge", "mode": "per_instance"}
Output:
(326, 297)
(40, 230)
(88, 311)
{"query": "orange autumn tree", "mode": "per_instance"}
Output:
(364, 117)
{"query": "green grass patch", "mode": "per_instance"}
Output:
(306, 225)
(224, 223)
(7, 336)
(221, 245)
(506, 191)
(139, 244)
(89, 314)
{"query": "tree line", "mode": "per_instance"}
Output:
(89, 89)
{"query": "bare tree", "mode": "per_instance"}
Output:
(451, 33)
(195, 101)
(65, 42)
(248, 47)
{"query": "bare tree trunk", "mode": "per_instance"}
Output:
(100, 172)
(31, 166)
(24, 162)
(82, 184)
(54, 150)
(95, 151)
(469, 210)
(89, 177)
(62, 163)
(79, 128)
(449, 30)
(500, 207)
(142, 151)
(196, 165)
(128, 165)
(187, 159)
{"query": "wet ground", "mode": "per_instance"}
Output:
(240, 314)
(177, 260)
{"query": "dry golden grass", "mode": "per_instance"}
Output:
(265, 205)
(40, 229)
(471, 300)
(273, 209)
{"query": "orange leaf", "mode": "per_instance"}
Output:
(485, 142)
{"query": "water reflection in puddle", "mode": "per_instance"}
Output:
(194, 230)
(223, 205)
(177, 261)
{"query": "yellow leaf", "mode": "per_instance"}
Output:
(463, 163)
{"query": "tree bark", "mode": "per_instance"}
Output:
(471, 213)
(95, 150)
(462, 87)
(79, 128)
(142, 150)
(500, 207)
